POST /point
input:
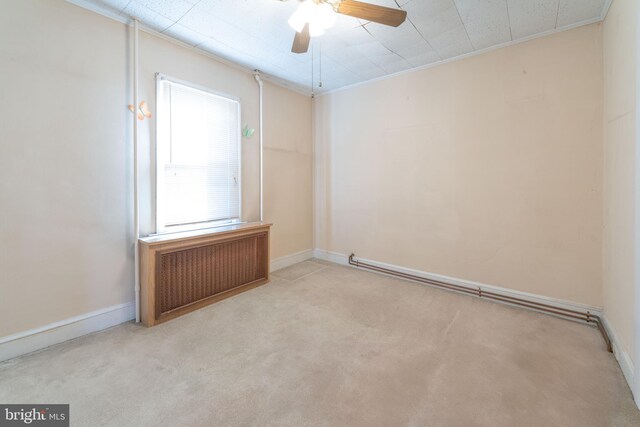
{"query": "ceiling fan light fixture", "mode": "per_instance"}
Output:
(315, 29)
(314, 16)
(319, 16)
(327, 16)
(298, 19)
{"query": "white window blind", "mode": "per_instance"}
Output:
(198, 157)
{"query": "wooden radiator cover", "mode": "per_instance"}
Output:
(183, 272)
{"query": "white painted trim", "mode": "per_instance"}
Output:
(625, 362)
(109, 13)
(560, 303)
(36, 339)
(261, 128)
(136, 172)
(465, 56)
(605, 9)
(289, 260)
(303, 90)
(334, 257)
(636, 262)
(100, 9)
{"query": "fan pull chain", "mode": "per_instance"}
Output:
(312, 69)
(320, 59)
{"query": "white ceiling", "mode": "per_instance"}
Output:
(255, 33)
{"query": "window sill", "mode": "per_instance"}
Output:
(184, 235)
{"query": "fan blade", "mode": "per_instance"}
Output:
(301, 41)
(372, 12)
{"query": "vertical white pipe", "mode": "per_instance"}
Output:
(260, 84)
(636, 308)
(136, 177)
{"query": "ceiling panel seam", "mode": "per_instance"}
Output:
(125, 6)
(352, 70)
(386, 47)
(183, 15)
(422, 35)
(254, 34)
(463, 24)
(509, 19)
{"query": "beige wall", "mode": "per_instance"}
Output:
(620, 38)
(487, 169)
(65, 169)
(288, 200)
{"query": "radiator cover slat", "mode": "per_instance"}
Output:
(189, 275)
(182, 275)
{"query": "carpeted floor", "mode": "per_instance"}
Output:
(333, 346)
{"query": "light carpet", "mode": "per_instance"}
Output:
(326, 345)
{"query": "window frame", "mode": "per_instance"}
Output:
(159, 226)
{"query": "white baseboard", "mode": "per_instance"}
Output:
(26, 342)
(334, 257)
(625, 362)
(343, 259)
(289, 260)
(36, 339)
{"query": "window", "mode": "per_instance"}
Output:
(198, 157)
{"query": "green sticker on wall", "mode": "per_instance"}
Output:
(247, 132)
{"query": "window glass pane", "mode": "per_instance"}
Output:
(198, 156)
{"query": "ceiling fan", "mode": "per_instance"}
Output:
(314, 16)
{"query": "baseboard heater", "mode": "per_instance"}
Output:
(585, 317)
(183, 272)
